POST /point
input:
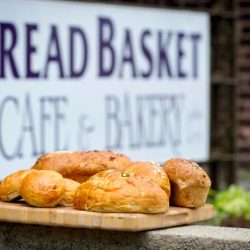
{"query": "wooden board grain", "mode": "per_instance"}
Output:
(70, 217)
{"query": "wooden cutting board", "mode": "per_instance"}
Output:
(70, 217)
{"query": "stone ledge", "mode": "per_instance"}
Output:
(21, 236)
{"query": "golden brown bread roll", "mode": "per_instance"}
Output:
(79, 166)
(69, 194)
(117, 191)
(189, 182)
(44, 188)
(10, 186)
(152, 171)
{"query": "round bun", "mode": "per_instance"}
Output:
(10, 186)
(117, 191)
(152, 171)
(69, 194)
(79, 166)
(44, 188)
(189, 183)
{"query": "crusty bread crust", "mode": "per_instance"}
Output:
(117, 191)
(67, 163)
(10, 186)
(152, 171)
(78, 165)
(69, 194)
(189, 182)
(44, 188)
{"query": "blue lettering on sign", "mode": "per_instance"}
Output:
(6, 53)
(154, 120)
(147, 53)
(31, 49)
(105, 45)
(164, 52)
(52, 118)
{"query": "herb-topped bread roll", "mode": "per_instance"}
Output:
(117, 191)
(79, 166)
(152, 171)
(189, 183)
(10, 186)
(44, 188)
(69, 194)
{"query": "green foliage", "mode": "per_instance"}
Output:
(231, 202)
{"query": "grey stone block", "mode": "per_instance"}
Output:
(21, 236)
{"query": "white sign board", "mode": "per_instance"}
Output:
(83, 76)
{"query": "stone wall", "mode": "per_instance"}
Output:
(21, 236)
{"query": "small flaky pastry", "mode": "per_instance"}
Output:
(189, 183)
(152, 171)
(44, 188)
(10, 186)
(69, 194)
(117, 191)
(78, 165)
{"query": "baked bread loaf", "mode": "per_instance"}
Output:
(117, 191)
(44, 188)
(79, 166)
(69, 194)
(10, 186)
(67, 163)
(189, 183)
(152, 171)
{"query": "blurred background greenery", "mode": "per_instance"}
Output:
(232, 206)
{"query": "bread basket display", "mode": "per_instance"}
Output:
(104, 189)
